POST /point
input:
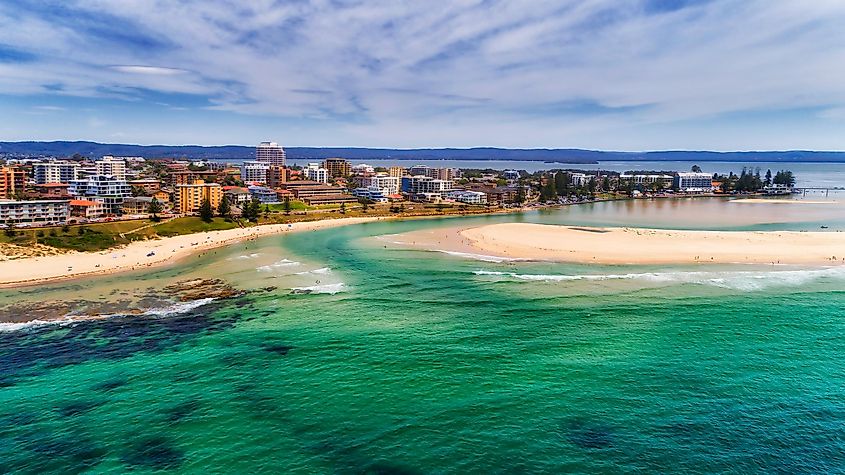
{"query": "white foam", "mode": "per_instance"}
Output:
(734, 280)
(244, 257)
(321, 289)
(479, 257)
(168, 311)
(320, 271)
(277, 265)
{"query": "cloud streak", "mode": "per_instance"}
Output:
(558, 73)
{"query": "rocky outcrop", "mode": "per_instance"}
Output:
(196, 289)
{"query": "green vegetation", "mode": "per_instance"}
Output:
(294, 206)
(224, 209)
(155, 209)
(190, 225)
(206, 211)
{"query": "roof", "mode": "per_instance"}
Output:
(83, 203)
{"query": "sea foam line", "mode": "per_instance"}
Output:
(167, 311)
(480, 257)
(277, 264)
(736, 280)
(321, 289)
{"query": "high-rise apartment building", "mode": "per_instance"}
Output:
(105, 189)
(397, 172)
(189, 198)
(317, 173)
(12, 180)
(270, 153)
(110, 166)
(276, 176)
(55, 172)
(254, 172)
(337, 167)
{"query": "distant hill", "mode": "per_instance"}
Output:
(239, 152)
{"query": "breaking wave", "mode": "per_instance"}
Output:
(320, 271)
(167, 311)
(480, 257)
(321, 289)
(244, 257)
(738, 280)
(277, 264)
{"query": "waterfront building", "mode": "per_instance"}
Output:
(388, 185)
(371, 193)
(468, 197)
(12, 181)
(87, 209)
(108, 190)
(694, 182)
(337, 167)
(511, 175)
(270, 153)
(316, 193)
(148, 185)
(420, 185)
(254, 172)
(189, 198)
(263, 194)
(236, 195)
(136, 205)
(578, 179)
(111, 166)
(642, 179)
(36, 212)
(276, 176)
(55, 172)
(396, 172)
(317, 173)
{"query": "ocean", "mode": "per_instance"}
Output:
(349, 356)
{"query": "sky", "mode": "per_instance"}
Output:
(598, 74)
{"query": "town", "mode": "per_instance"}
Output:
(61, 191)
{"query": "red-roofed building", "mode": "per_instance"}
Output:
(86, 209)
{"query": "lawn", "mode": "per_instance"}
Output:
(192, 224)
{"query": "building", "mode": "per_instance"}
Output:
(694, 182)
(444, 173)
(468, 197)
(50, 191)
(388, 185)
(254, 172)
(396, 172)
(420, 170)
(270, 153)
(86, 209)
(189, 198)
(419, 185)
(362, 169)
(647, 180)
(236, 195)
(148, 185)
(371, 193)
(110, 166)
(38, 212)
(315, 193)
(137, 205)
(579, 179)
(263, 194)
(315, 172)
(337, 167)
(511, 175)
(276, 176)
(187, 177)
(106, 189)
(55, 172)
(12, 181)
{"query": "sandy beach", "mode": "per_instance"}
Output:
(143, 254)
(633, 245)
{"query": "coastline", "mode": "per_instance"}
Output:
(630, 246)
(134, 256)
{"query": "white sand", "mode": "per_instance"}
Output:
(652, 246)
(36, 270)
(782, 201)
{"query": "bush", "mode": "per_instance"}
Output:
(65, 229)
(53, 233)
(81, 231)
(39, 233)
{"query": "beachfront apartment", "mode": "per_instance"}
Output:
(137, 205)
(148, 185)
(694, 182)
(417, 186)
(315, 172)
(468, 197)
(254, 172)
(110, 166)
(270, 153)
(55, 172)
(236, 195)
(86, 209)
(388, 185)
(37, 212)
(371, 193)
(189, 198)
(643, 179)
(105, 189)
(263, 194)
(276, 176)
(12, 181)
(337, 167)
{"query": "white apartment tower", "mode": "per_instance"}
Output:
(113, 167)
(270, 153)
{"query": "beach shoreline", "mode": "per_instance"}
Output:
(631, 246)
(33, 271)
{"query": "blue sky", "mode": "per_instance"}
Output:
(599, 74)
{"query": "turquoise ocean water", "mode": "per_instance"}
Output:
(414, 361)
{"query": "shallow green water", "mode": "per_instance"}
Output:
(424, 362)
